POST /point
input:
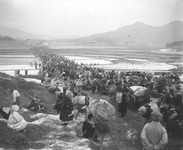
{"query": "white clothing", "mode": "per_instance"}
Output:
(15, 95)
(154, 134)
(154, 106)
(16, 122)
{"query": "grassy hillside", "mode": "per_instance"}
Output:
(26, 89)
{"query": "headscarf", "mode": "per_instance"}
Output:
(142, 110)
(14, 108)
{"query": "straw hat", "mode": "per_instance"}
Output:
(142, 110)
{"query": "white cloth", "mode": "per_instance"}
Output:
(53, 83)
(79, 100)
(154, 106)
(15, 95)
(105, 110)
(6, 110)
(138, 90)
(16, 122)
(14, 108)
(119, 97)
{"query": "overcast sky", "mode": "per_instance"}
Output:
(61, 18)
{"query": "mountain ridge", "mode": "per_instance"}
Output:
(139, 34)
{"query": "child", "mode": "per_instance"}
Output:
(89, 128)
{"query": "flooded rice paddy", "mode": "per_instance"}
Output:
(118, 58)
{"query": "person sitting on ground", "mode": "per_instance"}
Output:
(154, 135)
(35, 105)
(89, 128)
(15, 120)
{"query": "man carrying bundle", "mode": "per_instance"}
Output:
(80, 103)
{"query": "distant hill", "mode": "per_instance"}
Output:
(138, 34)
(178, 46)
(6, 38)
(15, 33)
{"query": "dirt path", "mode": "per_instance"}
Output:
(124, 132)
(64, 137)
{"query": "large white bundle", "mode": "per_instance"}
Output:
(104, 109)
(69, 94)
(79, 100)
(53, 83)
(138, 90)
(92, 104)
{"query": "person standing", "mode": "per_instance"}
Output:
(66, 109)
(169, 97)
(123, 105)
(154, 135)
(16, 98)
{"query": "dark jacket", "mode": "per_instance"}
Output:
(88, 130)
(65, 108)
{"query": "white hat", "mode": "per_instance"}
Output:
(142, 110)
(14, 108)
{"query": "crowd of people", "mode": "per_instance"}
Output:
(162, 95)
(160, 101)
